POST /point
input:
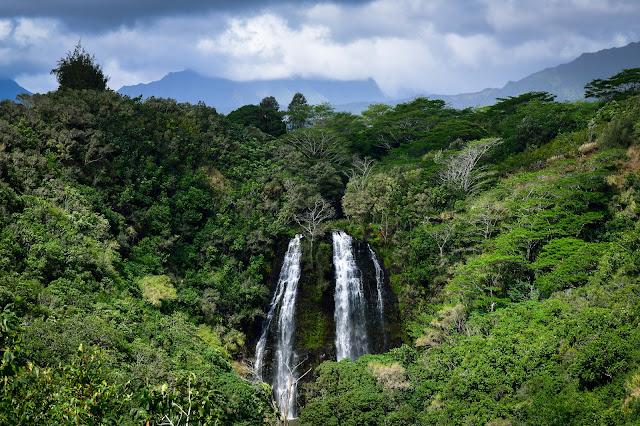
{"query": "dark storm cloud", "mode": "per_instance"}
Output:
(515, 21)
(100, 15)
(460, 17)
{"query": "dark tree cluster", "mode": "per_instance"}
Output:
(616, 88)
(79, 70)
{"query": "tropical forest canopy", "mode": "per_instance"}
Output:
(138, 239)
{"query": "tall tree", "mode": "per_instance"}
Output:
(270, 102)
(266, 119)
(79, 70)
(318, 143)
(297, 101)
(460, 171)
(299, 112)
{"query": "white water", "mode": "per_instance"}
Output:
(283, 305)
(351, 331)
(379, 282)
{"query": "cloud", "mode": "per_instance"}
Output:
(5, 28)
(429, 46)
(128, 54)
(267, 46)
(473, 51)
(407, 46)
(37, 83)
(32, 46)
(30, 32)
(544, 17)
(380, 18)
(102, 15)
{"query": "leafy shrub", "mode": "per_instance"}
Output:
(157, 288)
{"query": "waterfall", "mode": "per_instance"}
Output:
(350, 304)
(283, 305)
(380, 301)
(359, 315)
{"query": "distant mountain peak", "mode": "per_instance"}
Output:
(566, 81)
(9, 89)
(227, 95)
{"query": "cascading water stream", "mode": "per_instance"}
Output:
(380, 301)
(350, 304)
(352, 307)
(283, 305)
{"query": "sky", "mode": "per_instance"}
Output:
(406, 46)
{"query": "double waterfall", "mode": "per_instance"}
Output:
(358, 313)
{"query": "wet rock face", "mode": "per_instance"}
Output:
(315, 334)
(315, 322)
(378, 327)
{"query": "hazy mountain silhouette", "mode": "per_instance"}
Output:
(227, 95)
(567, 81)
(9, 89)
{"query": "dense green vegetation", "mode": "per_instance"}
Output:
(138, 240)
(519, 292)
(128, 257)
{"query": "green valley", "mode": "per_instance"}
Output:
(140, 242)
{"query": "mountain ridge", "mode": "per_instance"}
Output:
(566, 81)
(227, 95)
(9, 89)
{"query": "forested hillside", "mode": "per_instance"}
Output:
(139, 241)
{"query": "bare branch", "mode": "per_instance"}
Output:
(317, 142)
(311, 218)
(166, 420)
(459, 169)
(441, 235)
(360, 172)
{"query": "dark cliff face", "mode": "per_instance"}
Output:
(383, 333)
(315, 334)
(315, 325)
